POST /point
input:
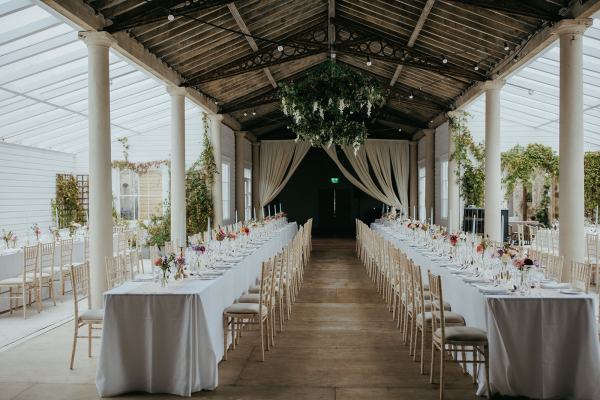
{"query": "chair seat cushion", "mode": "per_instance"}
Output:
(43, 275)
(245, 308)
(249, 298)
(463, 334)
(15, 281)
(450, 317)
(92, 315)
(427, 306)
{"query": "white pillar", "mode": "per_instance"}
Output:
(414, 185)
(571, 201)
(256, 179)
(240, 141)
(429, 173)
(217, 189)
(178, 201)
(453, 191)
(100, 201)
(493, 172)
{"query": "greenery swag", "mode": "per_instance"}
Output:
(330, 104)
(66, 207)
(591, 180)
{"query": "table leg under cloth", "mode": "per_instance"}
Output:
(540, 347)
(172, 341)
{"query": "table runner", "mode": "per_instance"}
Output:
(540, 347)
(172, 341)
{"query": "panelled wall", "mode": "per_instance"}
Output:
(27, 186)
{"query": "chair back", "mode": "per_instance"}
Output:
(266, 280)
(47, 256)
(419, 295)
(437, 303)
(66, 252)
(115, 273)
(592, 248)
(581, 274)
(30, 262)
(80, 282)
(554, 267)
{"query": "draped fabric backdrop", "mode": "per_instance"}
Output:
(278, 161)
(389, 161)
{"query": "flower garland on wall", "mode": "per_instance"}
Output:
(330, 104)
(141, 167)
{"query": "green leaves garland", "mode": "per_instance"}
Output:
(141, 167)
(330, 104)
(591, 182)
(66, 206)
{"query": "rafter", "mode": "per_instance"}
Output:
(413, 37)
(158, 10)
(539, 9)
(242, 25)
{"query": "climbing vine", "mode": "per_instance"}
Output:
(591, 180)
(469, 157)
(66, 207)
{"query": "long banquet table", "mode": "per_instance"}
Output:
(170, 340)
(544, 345)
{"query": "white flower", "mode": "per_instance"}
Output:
(341, 105)
(315, 106)
(322, 113)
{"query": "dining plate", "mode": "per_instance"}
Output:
(571, 291)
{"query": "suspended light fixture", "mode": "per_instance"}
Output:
(444, 60)
(253, 112)
(410, 96)
(476, 68)
(369, 61)
(506, 46)
(279, 48)
(171, 17)
(245, 114)
(333, 55)
(399, 129)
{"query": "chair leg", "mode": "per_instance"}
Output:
(423, 350)
(262, 339)
(432, 365)
(51, 290)
(89, 340)
(24, 304)
(442, 362)
(486, 365)
(225, 333)
(74, 345)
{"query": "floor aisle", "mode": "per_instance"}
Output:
(340, 344)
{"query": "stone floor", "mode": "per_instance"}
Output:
(340, 344)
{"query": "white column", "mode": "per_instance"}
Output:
(493, 172)
(240, 141)
(571, 200)
(453, 191)
(178, 202)
(414, 185)
(100, 201)
(256, 179)
(429, 172)
(217, 189)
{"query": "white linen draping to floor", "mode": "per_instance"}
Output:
(170, 340)
(541, 346)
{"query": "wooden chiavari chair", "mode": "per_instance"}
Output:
(554, 267)
(66, 261)
(29, 281)
(593, 257)
(80, 282)
(446, 339)
(47, 272)
(116, 275)
(581, 274)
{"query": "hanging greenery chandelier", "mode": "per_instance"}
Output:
(330, 104)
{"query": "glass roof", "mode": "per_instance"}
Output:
(43, 89)
(530, 99)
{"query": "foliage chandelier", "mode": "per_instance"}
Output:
(330, 104)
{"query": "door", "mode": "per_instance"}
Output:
(335, 213)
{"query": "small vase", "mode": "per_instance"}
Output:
(164, 279)
(524, 283)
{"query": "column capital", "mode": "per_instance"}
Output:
(496, 84)
(216, 117)
(92, 38)
(240, 134)
(256, 144)
(176, 90)
(572, 26)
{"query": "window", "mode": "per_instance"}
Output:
(225, 187)
(422, 211)
(444, 191)
(247, 193)
(140, 194)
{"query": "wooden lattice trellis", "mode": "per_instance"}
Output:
(84, 194)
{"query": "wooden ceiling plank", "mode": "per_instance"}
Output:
(537, 9)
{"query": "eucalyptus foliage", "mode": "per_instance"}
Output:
(330, 104)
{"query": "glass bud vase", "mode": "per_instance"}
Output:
(164, 278)
(524, 282)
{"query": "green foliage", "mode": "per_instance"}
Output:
(66, 206)
(591, 179)
(469, 157)
(541, 213)
(200, 178)
(522, 164)
(330, 104)
(158, 228)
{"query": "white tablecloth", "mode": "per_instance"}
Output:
(170, 340)
(540, 347)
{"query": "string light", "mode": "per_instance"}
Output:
(280, 48)
(506, 46)
(444, 60)
(171, 17)
(245, 114)
(476, 68)
(369, 61)
(253, 112)
(410, 96)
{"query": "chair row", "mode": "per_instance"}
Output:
(269, 303)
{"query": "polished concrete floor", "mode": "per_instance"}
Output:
(340, 344)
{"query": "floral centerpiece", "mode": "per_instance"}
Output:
(199, 249)
(179, 262)
(221, 235)
(482, 246)
(506, 253)
(36, 231)
(523, 264)
(164, 263)
(330, 105)
(231, 235)
(73, 226)
(54, 231)
(244, 230)
(9, 238)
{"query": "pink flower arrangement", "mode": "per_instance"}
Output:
(454, 239)
(231, 235)
(200, 249)
(245, 230)
(523, 264)
(220, 236)
(36, 231)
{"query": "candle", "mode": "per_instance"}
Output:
(280, 209)
(414, 212)
(236, 217)
(502, 228)
(596, 217)
(269, 209)
(254, 213)
(431, 215)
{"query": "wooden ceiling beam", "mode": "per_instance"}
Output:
(242, 25)
(539, 9)
(415, 34)
(155, 11)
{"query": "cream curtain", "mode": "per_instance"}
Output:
(278, 161)
(389, 161)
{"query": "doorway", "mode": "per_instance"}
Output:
(335, 211)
